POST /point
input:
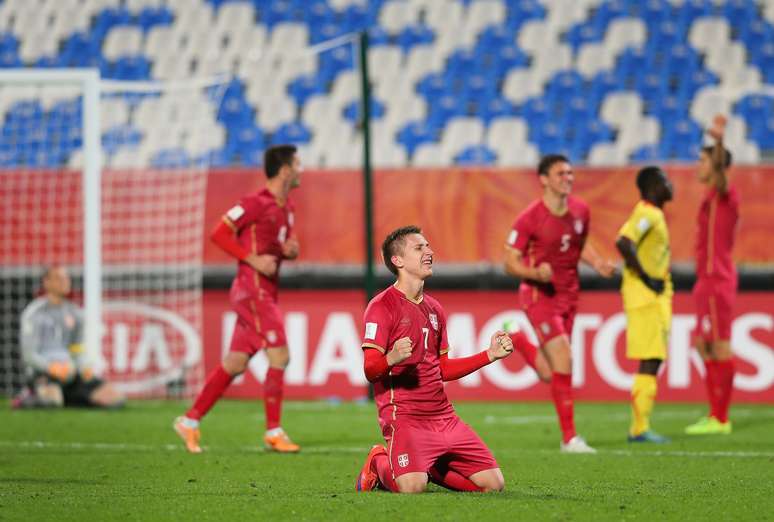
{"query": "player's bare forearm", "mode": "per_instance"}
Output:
(629, 253)
(719, 153)
(591, 257)
(265, 264)
(515, 266)
(628, 250)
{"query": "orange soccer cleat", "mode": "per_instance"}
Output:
(280, 442)
(190, 436)
(368, 479)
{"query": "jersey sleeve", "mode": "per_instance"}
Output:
(243, 213)
(638, 224)
(378, 323)
(521, 232)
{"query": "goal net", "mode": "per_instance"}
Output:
(128, 228)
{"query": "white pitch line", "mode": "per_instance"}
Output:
(689, 415)
(110, 446)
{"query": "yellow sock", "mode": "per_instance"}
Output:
(643, 396)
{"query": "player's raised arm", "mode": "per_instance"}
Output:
(500, 346)
(719, 155)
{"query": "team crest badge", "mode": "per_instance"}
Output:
(578, 226)
(434, 321)
(403, 460)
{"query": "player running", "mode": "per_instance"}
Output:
(543, 249)
(647, 295)
(258, 231)
(715, 289)
(406, 357)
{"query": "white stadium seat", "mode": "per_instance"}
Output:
(623, 33)
(620, 108)
(708, 32)
(607, 154)
(122, 41)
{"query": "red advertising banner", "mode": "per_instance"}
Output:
(325, 327)
(467, 213)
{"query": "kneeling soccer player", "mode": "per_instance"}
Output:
(406, 357)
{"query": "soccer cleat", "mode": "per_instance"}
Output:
(190, 436)
(648, 436)
(368, 479)
(709, 426)
(280, 443)
(577, 444)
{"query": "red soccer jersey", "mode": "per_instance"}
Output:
(718, 216)
(413, 388)
(557, 240)
(262, 226)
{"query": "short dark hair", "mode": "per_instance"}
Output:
(647, 177)
(727, 156)
(394, 242)
(275, 157)
(548, 161)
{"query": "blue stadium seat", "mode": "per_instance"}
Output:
(153, 16)
(118, 137)
(235, 111)
(476, 155)
(130, 68)
(352, 110)
(293, 132)
(171, 158)
(493, 108)
(414, 35)
(304, 87)
(646, 154)
(416, 133)
(334, 61)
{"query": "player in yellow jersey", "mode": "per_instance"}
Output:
(647, 294)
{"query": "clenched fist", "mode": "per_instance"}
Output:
(500, 346)
(401, 351)
(543, 273)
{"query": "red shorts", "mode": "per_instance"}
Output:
(550, 318)
(259, 325)
(714, 305)
(416, 445)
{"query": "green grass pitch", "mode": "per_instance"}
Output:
(84, 465)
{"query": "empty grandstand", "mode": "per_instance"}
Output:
(486, 82)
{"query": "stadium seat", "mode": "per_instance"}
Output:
(629, 77)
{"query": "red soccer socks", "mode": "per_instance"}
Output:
(216, 384)
(561, 391)
(272, 396)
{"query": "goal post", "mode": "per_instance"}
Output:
(108, 179)
(87, 82)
